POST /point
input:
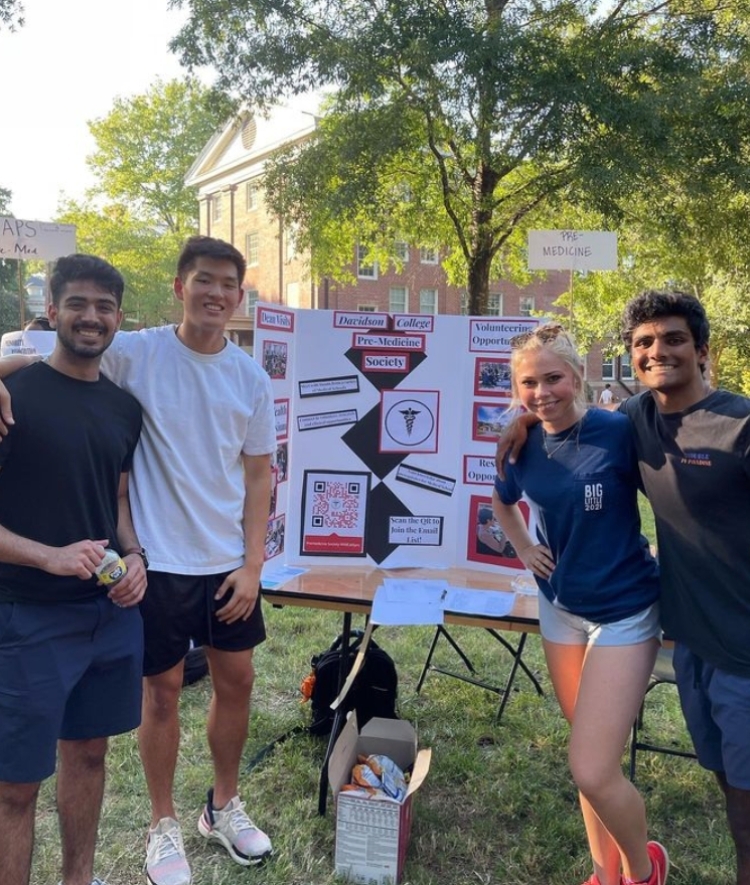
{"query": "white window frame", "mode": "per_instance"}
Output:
(428, 255)
(401, 251)
(252, 296)
(526, 305)
(434, 293)
(252, 252)
(608, 368)
(216, 206)
(495, 298)
(626, 368)
(365, 271)
(401, 304)
(252, 190)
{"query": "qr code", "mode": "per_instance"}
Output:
(336, 504)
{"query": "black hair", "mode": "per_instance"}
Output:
(199, 246)
(656, 305)
(86, 267)
(485, 515)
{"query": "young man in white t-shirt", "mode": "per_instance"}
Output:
(200, 489)
(606, 395)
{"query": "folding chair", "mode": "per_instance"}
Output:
(663, 674)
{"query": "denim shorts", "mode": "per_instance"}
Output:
(716, 706)
(180, 609)
(68, 670)
(557, 624)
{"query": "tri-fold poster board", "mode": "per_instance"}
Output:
(386, 429)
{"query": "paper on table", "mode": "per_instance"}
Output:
(465, 601)
(399, 602)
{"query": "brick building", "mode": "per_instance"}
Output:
(228, 177)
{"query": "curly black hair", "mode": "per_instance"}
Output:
(655, 305)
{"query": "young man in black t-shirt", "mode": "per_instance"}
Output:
(70, 648)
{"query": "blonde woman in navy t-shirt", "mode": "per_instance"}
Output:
(599, 589)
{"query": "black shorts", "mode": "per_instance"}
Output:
(178, 609)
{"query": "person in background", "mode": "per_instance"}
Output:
(606, 397)
(598, 605)
(71, 650)
(38, 324)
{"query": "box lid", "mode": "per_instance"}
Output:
(394, 738)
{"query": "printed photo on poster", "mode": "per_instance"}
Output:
(334, 513)
(409, 420)
(275, 356)
(275, 537)
(492, 377)
(282, 461)
(486, 541)
(488, 421)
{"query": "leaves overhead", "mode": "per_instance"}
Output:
(139, 211)
(500, 103)
(146, 144)
(11, 14)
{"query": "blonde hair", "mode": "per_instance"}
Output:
(553, 338)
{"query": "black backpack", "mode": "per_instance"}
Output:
(373, 692)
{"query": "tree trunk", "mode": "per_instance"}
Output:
(479, 282)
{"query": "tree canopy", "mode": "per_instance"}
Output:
(139, 211)
(11, 14)
(146, 144)
(7, 268)
(455, 121)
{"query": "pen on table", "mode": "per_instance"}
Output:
(443, 595)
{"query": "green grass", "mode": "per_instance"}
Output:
(498, 807)
(647, 518)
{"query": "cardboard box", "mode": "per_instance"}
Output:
(372, 833)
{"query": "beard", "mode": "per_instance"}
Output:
(84, 349)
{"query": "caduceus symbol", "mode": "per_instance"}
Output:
(409, 417)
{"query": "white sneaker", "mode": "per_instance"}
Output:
(166, 863)
(231, 827)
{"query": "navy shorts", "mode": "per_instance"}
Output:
(716, 706)
(180, 609)
(70, 670)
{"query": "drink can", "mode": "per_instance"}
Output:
(111, 568)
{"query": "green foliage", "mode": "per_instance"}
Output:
(483, 110)
(139, 211)
(696, 244)
(11, 14)
(10, 311)
(8, 268)
(145, 258)
(146, 144)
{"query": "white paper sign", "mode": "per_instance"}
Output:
(572, 250)
(28, 343)
(21, 239)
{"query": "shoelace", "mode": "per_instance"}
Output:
(168, 844)
(239, 820)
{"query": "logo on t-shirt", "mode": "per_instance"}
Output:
(593, 496)
(696, 458)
